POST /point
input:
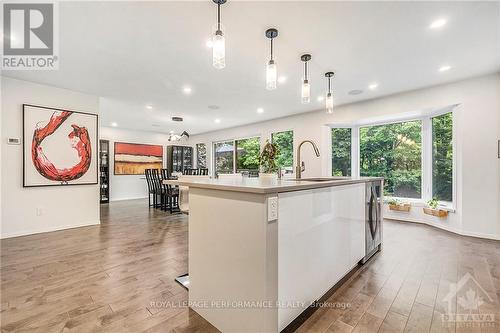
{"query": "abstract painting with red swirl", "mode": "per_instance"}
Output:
(60, 147)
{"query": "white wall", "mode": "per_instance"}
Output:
(477, 129)
(125, 187)
(61, 207)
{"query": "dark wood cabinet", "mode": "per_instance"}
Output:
(104, 170)
(179, 158)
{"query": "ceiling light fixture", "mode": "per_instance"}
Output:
(219, 42)
(282, 79)
(187, 90)
(217, 121)
(260, 110)
(438, 23)
(149, 107)
(329, 95)
(271, 71)
(321, 98)
(373, 86)
(306, 87)
(114, 124)
(444, 68)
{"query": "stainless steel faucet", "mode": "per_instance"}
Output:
(300, 164)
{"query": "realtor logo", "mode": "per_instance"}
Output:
(30, 36)
(469, 305)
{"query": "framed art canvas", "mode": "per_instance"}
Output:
(133, 158)
(59, 147)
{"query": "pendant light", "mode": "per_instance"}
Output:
(306, 87)
(329, 95)
(271, 71)
(218, 42)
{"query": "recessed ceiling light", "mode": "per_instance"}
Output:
(321, 98)
(217, 121)
(355, 92)
(171, 132)
(444, 68)
(373, 86)
(214, 107)
(436, 24)
(260, 110)
(176, 118)
(149, 107)
(282, 79)
(155, 125)
(114, 124)
(209, 43)
(187, 90)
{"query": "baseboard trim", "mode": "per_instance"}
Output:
(447, 228)
(130, 198)
(57, 228)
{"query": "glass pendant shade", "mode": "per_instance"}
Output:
(218, 50)
(306, 92)
(329, 102)
(271, 75)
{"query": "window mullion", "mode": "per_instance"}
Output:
(426, 159)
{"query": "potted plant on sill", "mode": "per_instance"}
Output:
(433, 210)
(268, 167)
(398, 205)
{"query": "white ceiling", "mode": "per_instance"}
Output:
(139, 53)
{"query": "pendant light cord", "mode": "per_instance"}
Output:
(218, 16)
(305, 70)
(272, 48)
(329, 87)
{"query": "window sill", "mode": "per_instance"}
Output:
(448, 206)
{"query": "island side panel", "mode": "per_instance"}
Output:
(233, 253)
(321, 238)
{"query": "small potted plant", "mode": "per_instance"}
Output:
(398, 205)
(268, 167)
(433, 210)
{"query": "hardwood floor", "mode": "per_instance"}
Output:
(119, 277)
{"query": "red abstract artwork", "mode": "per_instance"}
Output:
(80, 140)
(61, 147)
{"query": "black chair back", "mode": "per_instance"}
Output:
(165, 174)
(202, 171)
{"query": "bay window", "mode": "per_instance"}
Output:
(393, 151)
(415, 156)
(442, 157)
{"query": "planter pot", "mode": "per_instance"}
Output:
(400, 208)
(436, 212)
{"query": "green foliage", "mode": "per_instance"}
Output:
(442, 157)
(433, 203)
(393, 151)
(247, 154)
(268, 158)
(341, 151)
(284, 141)
(393, 201)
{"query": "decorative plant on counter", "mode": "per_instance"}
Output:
(268, 158)
(398, 205)
(433, 208)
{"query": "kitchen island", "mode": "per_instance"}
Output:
(262, 250)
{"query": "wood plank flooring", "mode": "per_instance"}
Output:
(119, 277)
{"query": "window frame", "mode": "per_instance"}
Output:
(213, 143)
(426, 153)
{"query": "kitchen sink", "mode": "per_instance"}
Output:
(319, 179)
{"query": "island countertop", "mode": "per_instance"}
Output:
(265, 185)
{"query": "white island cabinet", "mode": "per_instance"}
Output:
(262, 251)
